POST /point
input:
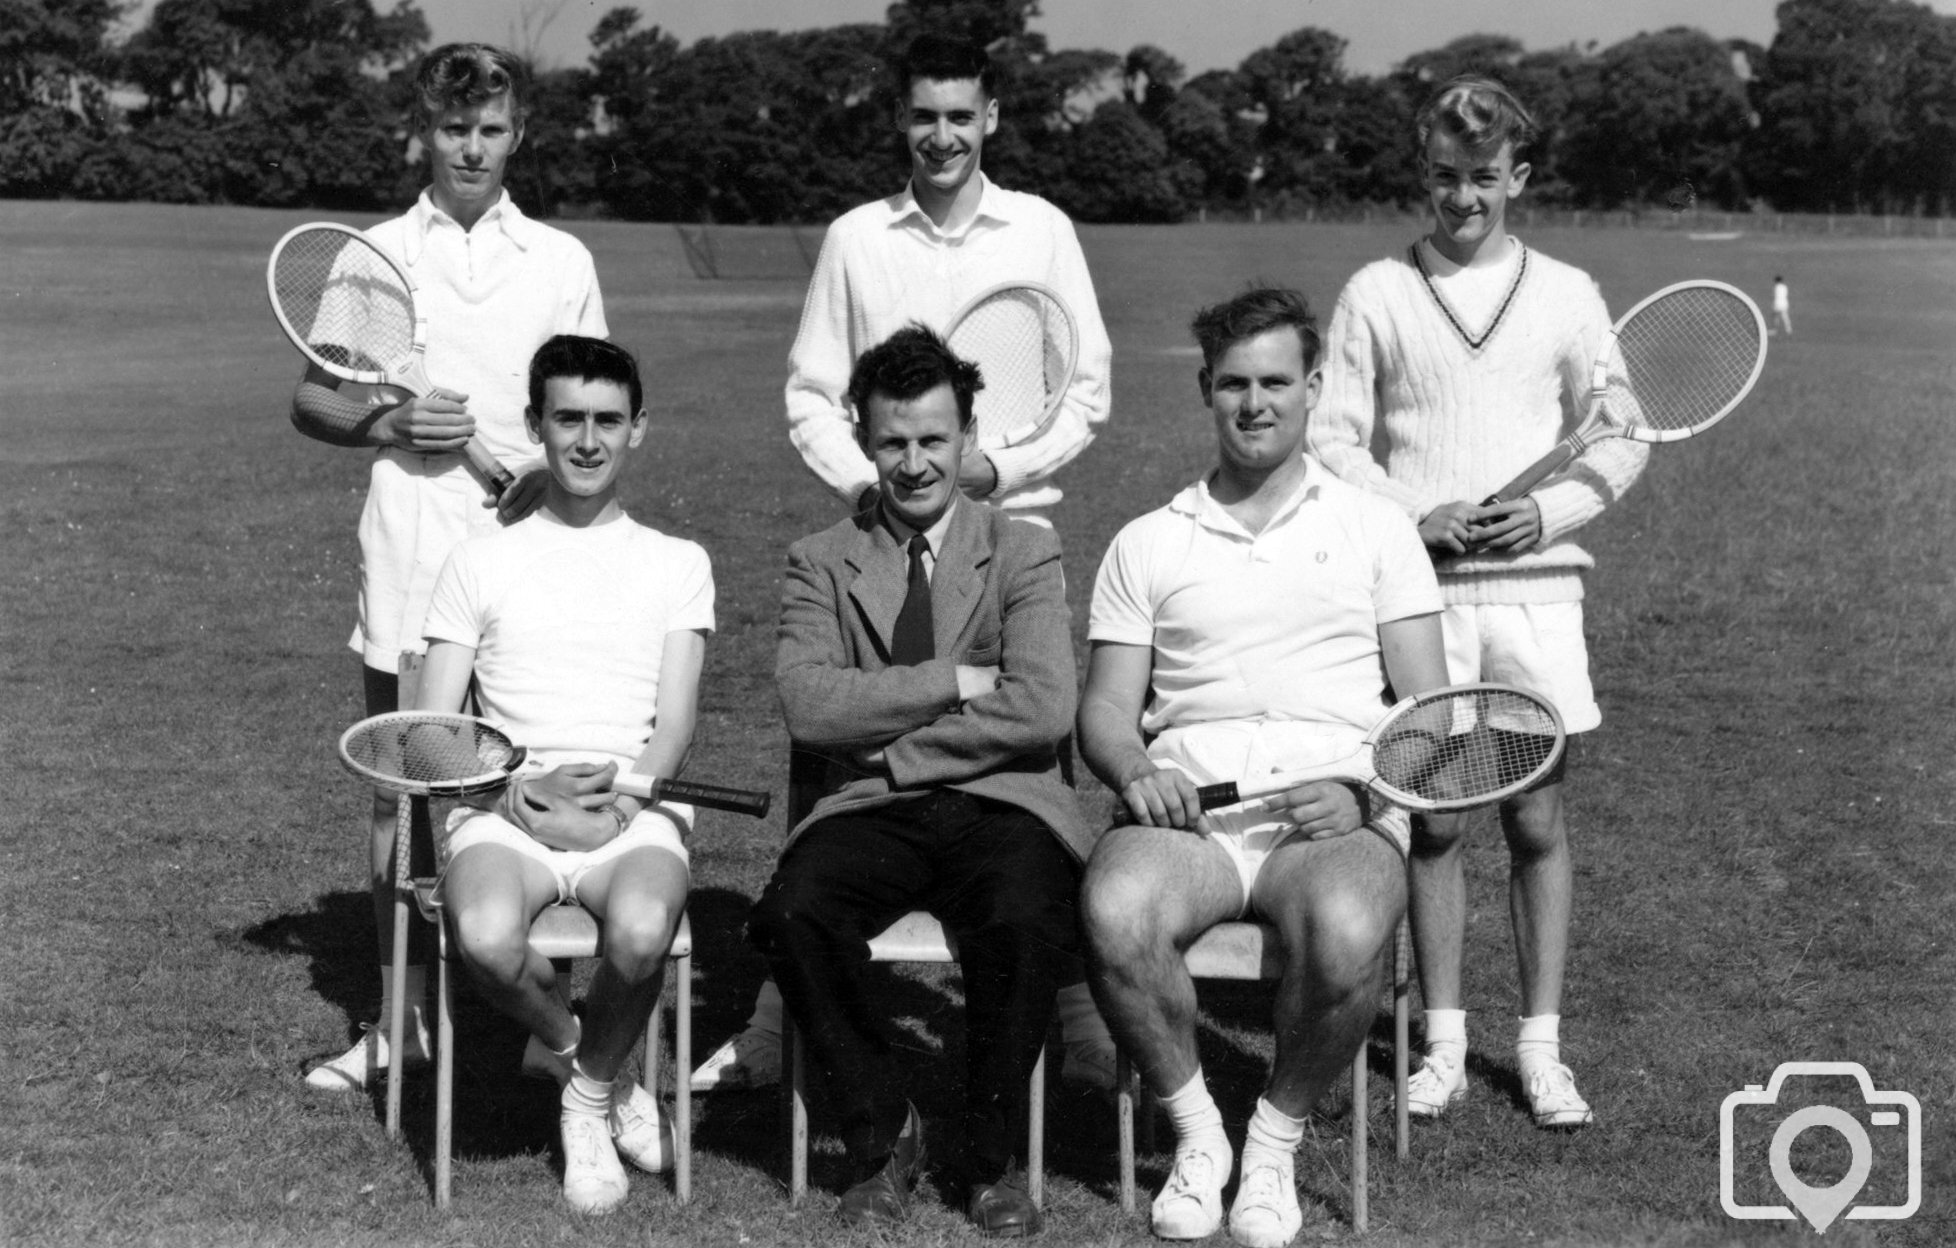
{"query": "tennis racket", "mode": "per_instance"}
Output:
(426, 754)
(1447, 749)
(349, 308)
(1023, 338)
(1673, 367)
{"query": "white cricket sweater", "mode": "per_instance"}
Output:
(1460, 420)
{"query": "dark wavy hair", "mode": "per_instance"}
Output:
(907, 365)
(943, 58)
(587, 359)
(1251, 314)
(462, 75)
(1479, 113)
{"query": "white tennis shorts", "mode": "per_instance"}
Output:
(1243, 751)
(656, 827)
(418, 508)
(1536, 645)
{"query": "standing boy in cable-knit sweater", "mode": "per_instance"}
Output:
(1473, 353)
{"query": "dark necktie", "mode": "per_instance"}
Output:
(910, 640)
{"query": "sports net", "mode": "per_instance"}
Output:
(1466, 747)
(1022, 339)
(411, 752)
(1684, 359)
(344, 300)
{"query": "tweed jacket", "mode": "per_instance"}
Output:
(998, 599)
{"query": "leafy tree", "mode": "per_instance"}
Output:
(1662, 121)
(1119, 170)
(53, 101)
(1296, 87)
(1847, 95)
(294, 94)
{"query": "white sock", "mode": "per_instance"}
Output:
(1196, 1119)
(1446, 1034)
(585, 1095)
(767, 1010)
(1272, 1133)
(1080, 1022)
(1539, 1042)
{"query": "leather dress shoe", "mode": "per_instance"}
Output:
(884, 1196)
(1004, 1207)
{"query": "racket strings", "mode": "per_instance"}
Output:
(1466, 744)
(1684, 360)
(425, 750)
(1022, 341)
(344, 298)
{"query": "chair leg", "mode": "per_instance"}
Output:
(1124, 1115)
(397, 999)
(1361, 1141)
(682, 1044)
(1036, 1133)
(797, 1110)
(444, 1070)
(1402, 1013)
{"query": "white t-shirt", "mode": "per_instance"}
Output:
(1275, 628)
(569, 628)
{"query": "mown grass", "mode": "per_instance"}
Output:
(1761, 825)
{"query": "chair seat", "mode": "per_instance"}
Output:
(916, 937)
(1236, 951)
(571, 931)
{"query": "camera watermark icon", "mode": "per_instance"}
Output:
(1822, 1205)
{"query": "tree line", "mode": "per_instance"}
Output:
(1851, 108)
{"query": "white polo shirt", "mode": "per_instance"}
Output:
(1274, 628)
(491, 295)
(885, 264)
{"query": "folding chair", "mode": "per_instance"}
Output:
(1254, 951)
(916, 937)
(560, 932)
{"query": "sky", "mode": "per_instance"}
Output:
(1202, 34)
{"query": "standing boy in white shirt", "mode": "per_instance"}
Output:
(493, 284)
(918, 256)
(1473, 352)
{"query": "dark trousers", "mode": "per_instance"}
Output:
(1003, 887)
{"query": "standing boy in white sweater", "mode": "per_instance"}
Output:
(1474, 353)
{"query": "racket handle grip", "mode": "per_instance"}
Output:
(496, 477)
(739, 801)
(1213, 795)
(1533, 475)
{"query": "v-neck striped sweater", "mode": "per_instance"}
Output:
(1457, 421)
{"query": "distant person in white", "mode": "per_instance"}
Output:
(920, 255)
(1782, 307)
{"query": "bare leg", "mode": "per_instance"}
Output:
(1541, 882)
(1149, 892)
(1439, 907)
(494, 894)
(1337, 904)
(639, 897)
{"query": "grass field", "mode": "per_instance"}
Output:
(1761, 826)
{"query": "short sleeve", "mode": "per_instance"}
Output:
(1406, 585)
(692, 598)
(1123, 609)
(455, 611)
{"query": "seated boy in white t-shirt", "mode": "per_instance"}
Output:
(583, 632)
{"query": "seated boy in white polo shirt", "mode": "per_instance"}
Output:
(584, 634)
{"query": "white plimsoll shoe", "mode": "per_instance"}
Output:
(1265, 1213)
(642, 1134)
(1438, 1085)
(365, 1063)
(751, 1059)
(594, 1179)
(1189, 1205)
(1552, 1096)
